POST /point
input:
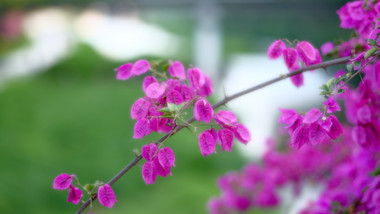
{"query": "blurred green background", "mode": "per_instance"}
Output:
(73, 116)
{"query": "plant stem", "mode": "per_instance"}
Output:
(216, 105)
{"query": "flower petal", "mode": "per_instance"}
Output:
(106, 196)
(62, 181)
(207, 143)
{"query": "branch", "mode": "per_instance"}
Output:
(216, 105)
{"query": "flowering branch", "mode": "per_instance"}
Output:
(216, 105)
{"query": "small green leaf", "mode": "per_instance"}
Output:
(372, 42)
(350, 67)
(330, 83)
(346, 76)
(324, 87)
(165, 67)
(175, 108)
(341, 91)
(89, 187)
(370, 52)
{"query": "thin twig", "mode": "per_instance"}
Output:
(218, 104)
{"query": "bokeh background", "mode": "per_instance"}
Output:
(62, 110)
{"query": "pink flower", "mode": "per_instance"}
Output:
(124, 71)
(288, 116)
(142, 128)
(140, 109)
(149, 151)
(207, 143)
(275, 49)
(173, 96)
(297, 80)
(141, 66)
(331, 105)
(312, 116)
(166, 158)
(176, 69)
(242, 134)
(106, 196)
(155, 90)
(336, 129)
(196, 77)
(62, 181)
(327, 47)
(203, 111)
(75, 194)
(225, 118)
(226, 139)
(316, 133)
(290, 57)
(307, 53)
(147, 81)
(300, 137)
(149, 172)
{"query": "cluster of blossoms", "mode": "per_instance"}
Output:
(105, 194)
(314, 127)
(347, 168)
(162, 109)
(304, 51)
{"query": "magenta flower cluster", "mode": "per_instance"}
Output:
(162, 105)
(105, 194)
(304, 51)
(314, 127)
(344, 159)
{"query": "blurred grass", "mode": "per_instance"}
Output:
(74, 118)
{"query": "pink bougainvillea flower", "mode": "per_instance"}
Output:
(225, 118)
(325, 123)
(364, 114)
(147, 81)
(306, 52)
(327, 48)
(161, 171)
(374, 35)
(75, 194)
(207, 143)
(140, 109)
(290, 57)
(312, 115)
(336, 129)
(186, 93)
(203, 111)
(213, 132)
(206, 89)
(173, 96)
(297, 80)
(331, 105)
(226, 139)
(106, 196)
(316, 133)
(124, 71)
(62, 181)
(148, 151)
(300, 137)
(166, 158)
(295, 125)
(149, 172)
(242, 134)
(275, 49)
(196, 77)
(176, 69)
(359, 135)
(141, 66)
(155, 90)
(142, 128)
(288, 116)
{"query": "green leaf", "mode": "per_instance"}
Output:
(330, 83)
(165, 67)
(89, 187)
(350, 67)
(372, 42)
(175, 108)
(324, 87)
(346, 76)
(341, 91)
(370, 52)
